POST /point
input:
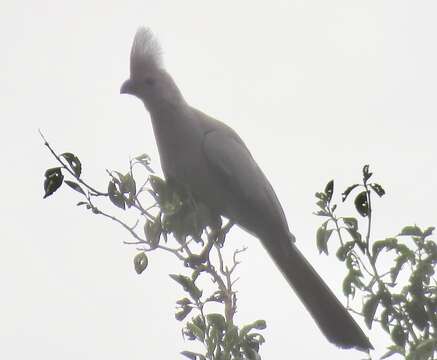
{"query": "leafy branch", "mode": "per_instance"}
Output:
(172, 222)
(402, 298)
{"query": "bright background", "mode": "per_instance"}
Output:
(316, 88)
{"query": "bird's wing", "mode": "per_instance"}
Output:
(230, 160)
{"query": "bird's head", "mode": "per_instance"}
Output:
(148, 79)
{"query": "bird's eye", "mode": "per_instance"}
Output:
(149, 81)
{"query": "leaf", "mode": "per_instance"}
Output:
(369, 310)
(140, 262)
(411, 231)
(217, 320)
(362, 204)
(75, 186)
(398, 335)
(329, 190)
(366, 173)
(385, 320)
(152, 231)
(394, 271)
(80, 203)
(74, 163)
(128, 185)
(417, 313)
(115, 196)
(183, 312)
(344, 250)
(193, 356)
(425, 349)
(346, 193)
(351, 222)
(188, 285)
(322, 238)
(378, 189)
(393, 349)
(198, 332)
(53, 180)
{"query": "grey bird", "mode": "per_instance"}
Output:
(209, 159)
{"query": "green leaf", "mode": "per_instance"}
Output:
(344, 250)
(140, 262)
(362, 204)
(411, 231)
(417, 313)
(351, 222)
(183, 312)
(378, 189)
(192, 355)
(322, 238)
(394, 271)
(217, 320)
(425, 349)
(385, 320)
(75, 186)
(188, 285)
(152, 231)
(369, 310)
(346, 193)
(115, 196)
(74, 163)
(399, 336)
(329, 190)
(53, 180)
(128, 185)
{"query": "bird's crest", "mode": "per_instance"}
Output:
(145, 54)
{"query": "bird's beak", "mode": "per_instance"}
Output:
(127, 87)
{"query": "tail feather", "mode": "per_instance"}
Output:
(330, 315)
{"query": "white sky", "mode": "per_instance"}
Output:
(316, 88)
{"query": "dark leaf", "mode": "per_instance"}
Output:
(417, 313)
(128, 185)
(351, 222)
(411, 231)
(362, 204)
(115, 196)
(188, 285)
(385, 320)
(183, 312)
(394, 271)
(52, 181)
(369, 310)
(74, 163)
(329, 190)
(322, 238)
(378, 189)
(344, 250)
(398, 335)
(346, 193)
(366, 173)
(75, 186)
(140, 262)
(425, 349)
(80, 203)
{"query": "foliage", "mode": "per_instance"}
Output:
(173, 223)
(401, 298)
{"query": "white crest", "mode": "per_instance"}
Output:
(145, 54)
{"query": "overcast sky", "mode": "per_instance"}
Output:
(317, 89)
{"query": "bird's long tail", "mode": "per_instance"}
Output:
(330, 315)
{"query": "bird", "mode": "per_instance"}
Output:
(211, 161)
